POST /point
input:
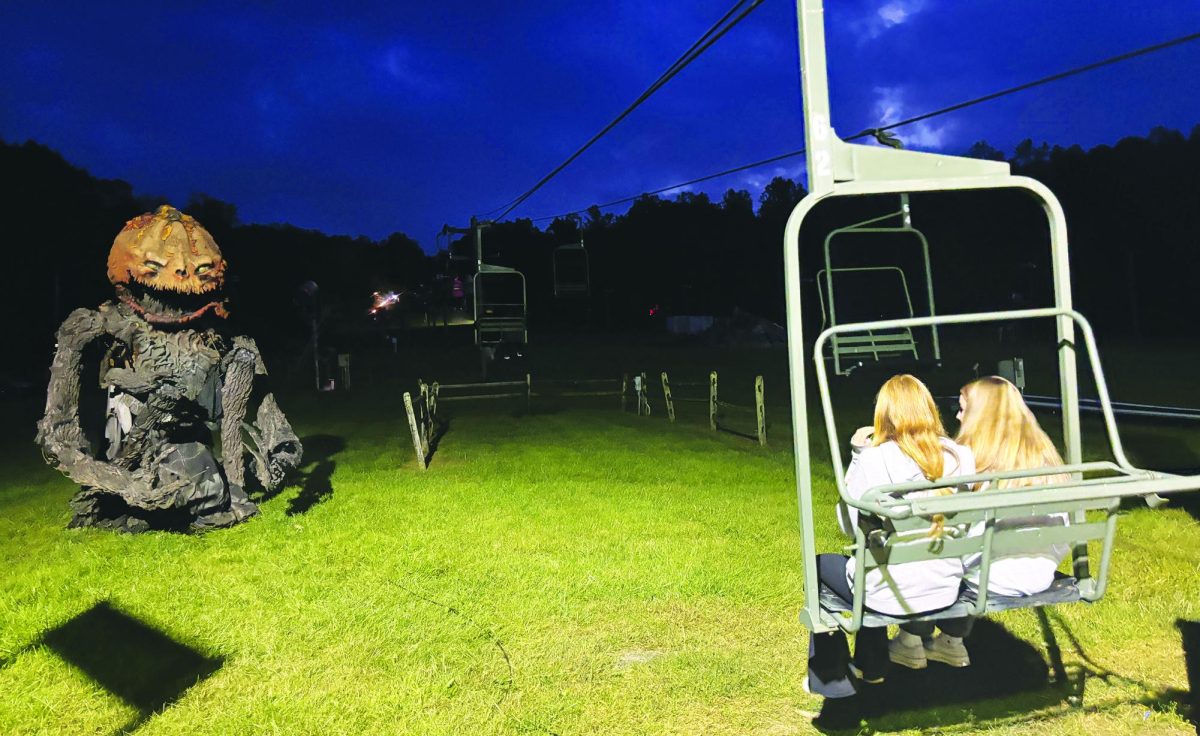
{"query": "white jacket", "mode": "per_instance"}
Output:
(1025, 573)
(911, 587)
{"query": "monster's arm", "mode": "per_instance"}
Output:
(275, 447)
(60, 434)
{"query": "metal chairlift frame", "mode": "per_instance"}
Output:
(491, 330)
(840, 169)
(573, 288)
(901, 341)
(897, 342)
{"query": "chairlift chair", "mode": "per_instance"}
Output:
(571, 271)
(840, 169)
(876, 344)
(500, 306)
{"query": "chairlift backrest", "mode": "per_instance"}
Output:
(571, 270)
(500, 305)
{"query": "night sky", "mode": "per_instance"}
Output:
(375, 117)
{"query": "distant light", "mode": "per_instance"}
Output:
(384, 300)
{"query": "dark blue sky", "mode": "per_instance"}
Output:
(374, 117)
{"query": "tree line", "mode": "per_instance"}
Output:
(1133, 212)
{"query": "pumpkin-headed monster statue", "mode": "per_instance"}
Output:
(173, 377)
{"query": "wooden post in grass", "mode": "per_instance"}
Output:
(760, 410)
(644, 395)
(712, 401)
(528, 393)
(624, 390)
(433, 397)
(416, 436)
(667, 397)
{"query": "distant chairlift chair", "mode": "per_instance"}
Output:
(875, 343)
(501, 313)
(571, 272)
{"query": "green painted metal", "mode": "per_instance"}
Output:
(903, 342)
(840, 169)
(495, 320)
(900, 342)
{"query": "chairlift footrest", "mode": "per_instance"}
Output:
(1063, 590)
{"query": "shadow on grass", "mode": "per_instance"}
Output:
(134, 661)
(1007, 679)
(316, 482)
(1002, 666)
(1190, 631)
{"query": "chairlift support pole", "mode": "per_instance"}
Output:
(836, 169)
(476, 229)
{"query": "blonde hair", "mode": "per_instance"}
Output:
(905, 413)
(1003, 433)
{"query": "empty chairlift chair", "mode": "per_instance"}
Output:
(840, 169)
(876, 344)
(500, 306)
(571, 272)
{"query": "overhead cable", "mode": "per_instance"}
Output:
(731, 18)
(899, 123)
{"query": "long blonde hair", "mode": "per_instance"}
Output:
(1003, 433)
(906, 414)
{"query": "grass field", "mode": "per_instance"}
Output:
(572, 571)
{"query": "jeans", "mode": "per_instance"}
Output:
(828, 653)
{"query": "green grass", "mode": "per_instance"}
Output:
(571, 572)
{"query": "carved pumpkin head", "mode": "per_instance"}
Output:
(166, 251)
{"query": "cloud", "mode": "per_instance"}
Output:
(890, 107)
(399, 64)
(756, 180)
(889, 15)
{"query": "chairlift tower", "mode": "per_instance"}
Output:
(840, 169)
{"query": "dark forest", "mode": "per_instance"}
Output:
(1133, 212)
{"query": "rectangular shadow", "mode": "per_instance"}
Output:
(134, 661)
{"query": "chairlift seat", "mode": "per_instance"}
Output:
(1064, 589)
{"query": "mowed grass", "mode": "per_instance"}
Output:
(572, 571)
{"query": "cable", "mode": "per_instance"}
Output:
(908, 121)
(711, 36)
(663, 78)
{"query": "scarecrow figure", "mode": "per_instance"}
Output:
(173, 377)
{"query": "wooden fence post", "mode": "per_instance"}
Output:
(416, 436)
(760, 410)
(624, 390)
(667, 397)
(712, 401)
(644, 395)
(528, 393)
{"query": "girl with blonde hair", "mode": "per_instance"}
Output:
(906, 443)
(1004, 435)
